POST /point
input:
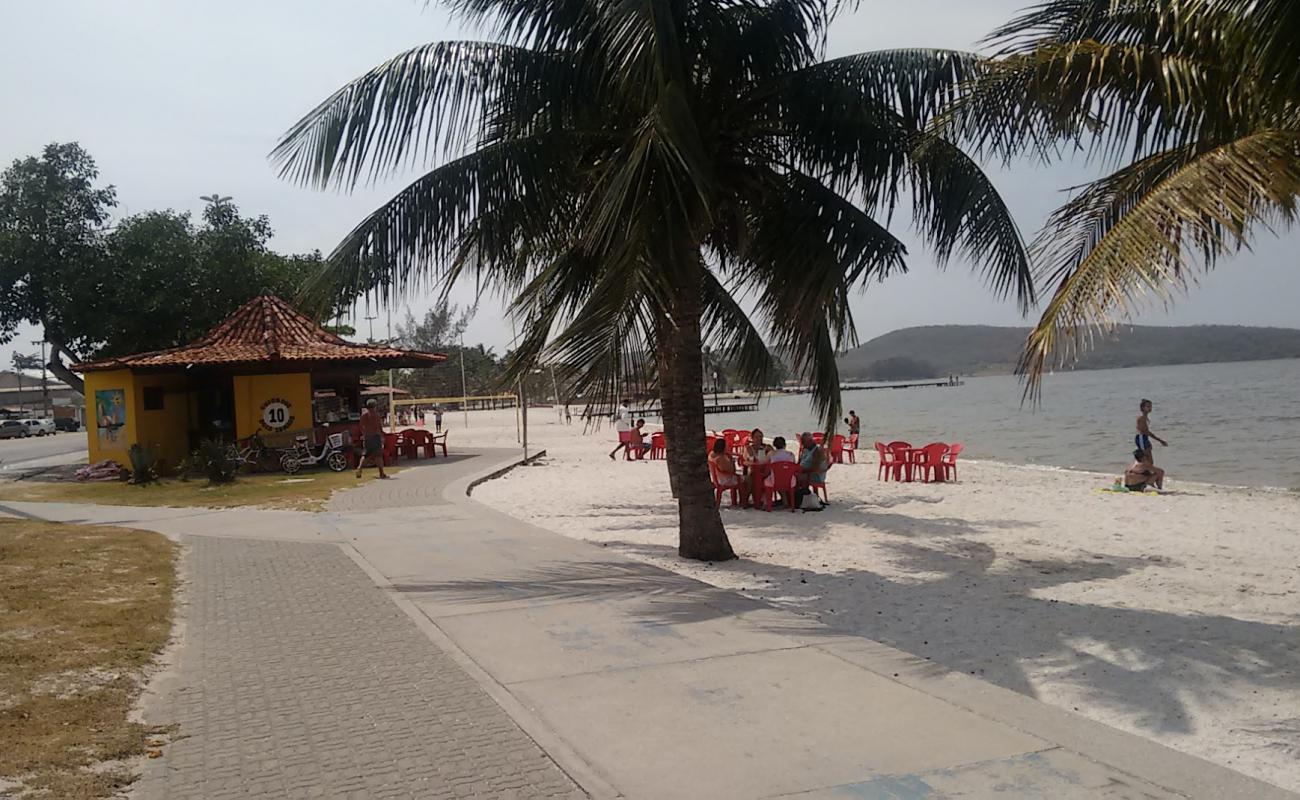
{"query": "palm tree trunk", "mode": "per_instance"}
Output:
(701, 535)
(666, 406)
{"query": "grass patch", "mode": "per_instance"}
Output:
(308, 491)
(83, 610)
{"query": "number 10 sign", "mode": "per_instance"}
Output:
(277, 414)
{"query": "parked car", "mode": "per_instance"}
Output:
(13, 429)
(69, 424)
(40, 427)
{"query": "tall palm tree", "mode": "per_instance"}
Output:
(1196, 106)
(647, 176)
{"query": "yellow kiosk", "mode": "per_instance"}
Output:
(266, 369)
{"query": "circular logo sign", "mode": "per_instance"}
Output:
(277, 414)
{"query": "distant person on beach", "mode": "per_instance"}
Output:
(779, 453)
(855, 425)
(372, 436)
(1142, 473)
(437, 419)
(568, 415)
(622, 424)
(1144, 435)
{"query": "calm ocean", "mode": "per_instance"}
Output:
(1216, 417)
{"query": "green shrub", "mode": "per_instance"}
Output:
(144, 464)
(215, 460)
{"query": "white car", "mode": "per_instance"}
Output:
(40, 427)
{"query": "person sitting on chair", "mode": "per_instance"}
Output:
(637, 446)
(724, 470)
(1142, 473)
(779, 453)
(813, 462)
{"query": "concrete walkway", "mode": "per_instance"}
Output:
(387, 640)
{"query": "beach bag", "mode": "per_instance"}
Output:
(808, 500)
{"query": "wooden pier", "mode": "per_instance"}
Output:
(723, 407)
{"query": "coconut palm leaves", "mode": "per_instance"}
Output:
(1202, 96)
(643, 178)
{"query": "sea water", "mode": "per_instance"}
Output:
(1232, 423)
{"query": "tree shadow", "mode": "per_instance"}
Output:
(962, 609)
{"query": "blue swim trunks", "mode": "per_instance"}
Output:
(1142, 441)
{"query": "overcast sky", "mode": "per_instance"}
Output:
(181, 99)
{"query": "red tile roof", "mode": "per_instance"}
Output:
(265, 330)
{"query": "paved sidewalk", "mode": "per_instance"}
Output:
(637, 682)
(296, 678)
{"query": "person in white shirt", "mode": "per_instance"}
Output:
(780, 453)
(622, 424)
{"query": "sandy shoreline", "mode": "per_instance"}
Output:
(1174, 617)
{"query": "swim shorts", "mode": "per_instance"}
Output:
(1142, 441)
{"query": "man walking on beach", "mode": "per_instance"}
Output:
(372, 435)
(1144, 435)
(622, 424)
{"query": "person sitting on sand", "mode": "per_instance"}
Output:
(779, 453)
(1142, 473)
(724, 470)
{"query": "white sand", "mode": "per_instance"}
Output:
(1174, 617)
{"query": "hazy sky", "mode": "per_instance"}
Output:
(181, 99)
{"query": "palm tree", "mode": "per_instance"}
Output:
(643, 177)
(1195, 104)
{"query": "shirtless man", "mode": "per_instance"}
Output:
(1144, 435)
(372, 435)
(1142, 473)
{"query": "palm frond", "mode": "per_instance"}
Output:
(431, 101)
(1150, 226)
(957, 207)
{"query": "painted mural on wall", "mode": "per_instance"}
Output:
(110, 415)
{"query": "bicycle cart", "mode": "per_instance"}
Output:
(332, 453)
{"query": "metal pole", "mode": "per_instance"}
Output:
(519, 386)
(392, 410)
(464, 390)
(45, 387)
(555, 386)
(523, 406)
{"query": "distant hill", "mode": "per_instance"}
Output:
(985, 349)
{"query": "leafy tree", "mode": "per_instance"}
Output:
(440, 329)
(1193, 103)
(51, 216)
(165, 282)
(625, 171)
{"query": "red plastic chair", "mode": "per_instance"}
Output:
(407, 446)
(851, 450)
(837, 449)
(658, 445)
(708, 443)
(390, 449)
(783, 474)
(439, 440)
(891, 464)
(930, 461)
(820, 486)
(718, 488)
(819, 437)
(949, 462)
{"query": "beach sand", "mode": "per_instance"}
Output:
(1174, 617)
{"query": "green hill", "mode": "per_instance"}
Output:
(985, 349)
